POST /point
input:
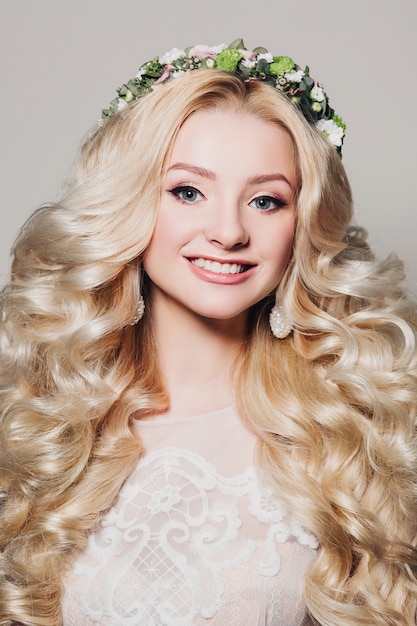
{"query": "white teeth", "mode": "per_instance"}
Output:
(216, 267)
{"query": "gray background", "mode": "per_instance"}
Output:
(61, 61)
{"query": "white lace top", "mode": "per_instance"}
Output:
(193, 538)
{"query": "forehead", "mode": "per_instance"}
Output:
(217, 139)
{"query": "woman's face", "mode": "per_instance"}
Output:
(225, 228)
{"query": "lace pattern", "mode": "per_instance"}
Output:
(184, 545)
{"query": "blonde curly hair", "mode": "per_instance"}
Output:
(334, 404)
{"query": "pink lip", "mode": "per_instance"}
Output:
(222, 279)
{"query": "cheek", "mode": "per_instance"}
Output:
(288, 245)
(154, 253)
(163, 238)
(169, 236)
(281, 245)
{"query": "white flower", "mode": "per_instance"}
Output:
(170, 56)
(267, 56)
(248, 63)
(317, 94)
(120, 104)
(219, 48)
(177, 73)
(140, 73)
(334, 132)
(294, 77)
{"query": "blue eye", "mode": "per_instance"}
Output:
(187, 194)
(267, 203)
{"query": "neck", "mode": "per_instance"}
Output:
(196, 357)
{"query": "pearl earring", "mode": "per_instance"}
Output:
(140, 310)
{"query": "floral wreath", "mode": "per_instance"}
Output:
(280, 72)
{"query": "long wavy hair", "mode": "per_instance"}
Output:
(333, 405)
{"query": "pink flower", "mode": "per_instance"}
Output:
(202, 52)
(164, 74)
(248, 55)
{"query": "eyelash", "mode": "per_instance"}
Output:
(180, 189)
(278, 203)
(177, 191)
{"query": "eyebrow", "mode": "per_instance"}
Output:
(205, 173)
(266, 178)
(193, 169)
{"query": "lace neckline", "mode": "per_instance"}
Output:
(184, 544)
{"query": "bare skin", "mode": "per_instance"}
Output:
(195, 356)
(222, 241)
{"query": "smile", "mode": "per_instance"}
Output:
(219, 268)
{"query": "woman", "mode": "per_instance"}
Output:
(208, 383)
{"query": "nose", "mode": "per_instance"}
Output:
(226, 228)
